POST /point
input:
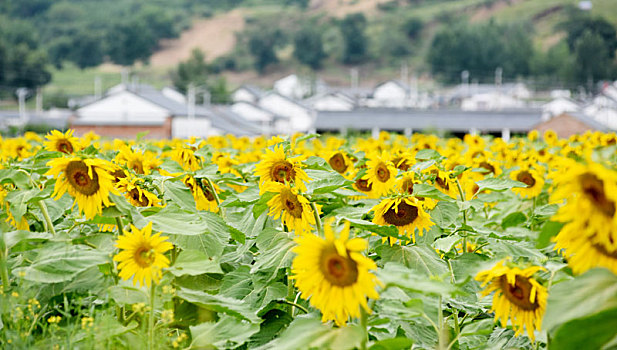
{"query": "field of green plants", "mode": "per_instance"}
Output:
(308, 242)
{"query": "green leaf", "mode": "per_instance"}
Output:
(392, 344)
(513, 219)
(275, 251)
(194, 262)
(498, 184)
(428, 154)
(237, 284)
(308, 332)
(590, 332)
(227, 333)
(126, 295)
(428, 191)
(180, 195)
(549, 230)
(444, 214)
(232, 307)
(593, 292)
(13, 238)
(394, 274)
(275, 322)
(327, 183)
(16, 177)
(383, 231)
(419, 258)
(60, 263)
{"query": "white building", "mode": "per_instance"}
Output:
(331, 101)
(559, 106)
(247, 93)
(292, 86)
(391, 93)
(490, 101)
(295, 116)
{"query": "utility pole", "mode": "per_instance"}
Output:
(354, 77)
(498, 79)
(465, 81)
(125, 77)
(404, 72)
(207, 98)
(21, 98)
(97, 87)
(191, 101)
(39, 101)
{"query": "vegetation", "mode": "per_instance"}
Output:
(308, 242)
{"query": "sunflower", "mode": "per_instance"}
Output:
(87, 180)
(550, 137)
(59, 142)
(406, 213)
(443, 182)
(275, 166)
(339, 161)
(141, 255)
(140, 162)
(529, 177)
(137, 195)
(333, 274)
(589, 237)
(10, 219)
(186, 158)
(517, 297)
(405, 185)
(202, 193)
(380, 173)
(294, 209)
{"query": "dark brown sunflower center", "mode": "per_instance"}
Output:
(337, 162)
(144, 256)
(118, 174)
(137, 166)
(77, 174)
(441, 182)
(205, 187)
(141, 201)
(401, 163)
(338, 270)
(602, 250)
(64, 146)
(291, 203)
(363, 185)
(487, 166)
(594, 189)
(519, 293)
(405, 214)
(407, 186)
(526, 178)
(283, 171)
(382, 172)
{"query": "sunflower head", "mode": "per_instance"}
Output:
(531, 178)
(202, 193)
(275, 166)
(133, 190)
(339, 161)
(141, 255)
(405, 213)
(62, 142)
(518, 296)
(380, 173)
(293, 208)
(334, 275)
(88, 180)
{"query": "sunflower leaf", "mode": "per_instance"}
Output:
(495, 184)
(217, 303)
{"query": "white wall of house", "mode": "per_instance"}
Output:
(242, 94)
(251, 112)
(300, 118)
(490, 101)
(174, 95)
(331, 102)
(606, 116)
(559, 106)
(122, 106)
(291, 86)
(389, 94)
(183, 127)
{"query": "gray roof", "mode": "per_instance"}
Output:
(252, 89)
(588, 121)
(518, 120)
(12, 117)
(225, 120)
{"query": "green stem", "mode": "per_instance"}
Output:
(317, 219)
(216, 196)
(151, 319)
(462, 194)
(293, 304)
(442, 336)
(364, 326)
(120, 225)
(49, 225)
(4, 269)
(290, 292)
(533, 210)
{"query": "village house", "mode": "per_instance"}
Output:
(295, 115)
(247, 93)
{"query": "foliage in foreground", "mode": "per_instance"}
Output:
(313, 242)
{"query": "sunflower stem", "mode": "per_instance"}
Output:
(533, 210)
(49, 225)
(294, 304)
(462, 194)
(290, 292)
(443, 337)
(4, 270)
(317, 219)
(364, 326)
(151, 319)
(120, 226)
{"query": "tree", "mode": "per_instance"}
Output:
(308, 47)
(352, 28)
(578, 25)
(129, 42)
(262, 43)
(412, 27)
(592, 58)
(194, 70)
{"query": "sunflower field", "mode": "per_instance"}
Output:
(308, 242)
